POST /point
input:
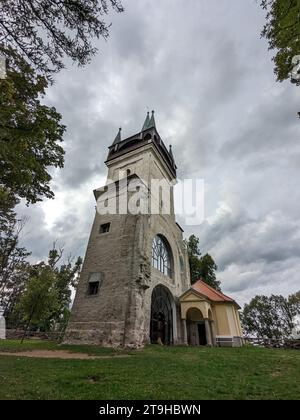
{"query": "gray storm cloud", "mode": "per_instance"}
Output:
(204, 69)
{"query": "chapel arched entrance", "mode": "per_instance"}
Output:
(161, 325)
(196, 330)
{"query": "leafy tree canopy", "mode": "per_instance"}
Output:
(201, 267)
(271, 317)
(40, 298)
(45, 301)
(30, 136)
(44, 31)
(35, 36)
(13, 261)
(282, 30)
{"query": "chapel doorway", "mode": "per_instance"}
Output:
(196, 331)
(161, 325)
(202, 334)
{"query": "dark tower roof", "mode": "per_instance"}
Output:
(152, 121)
(171, 152)
(147, 135)
(146, 123)
(118, 137)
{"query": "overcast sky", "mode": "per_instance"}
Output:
(204, 69)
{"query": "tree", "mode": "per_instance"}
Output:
(270, 317)
(208, 269)
(13, 264)
(66, 278)
(201, 267)
(282, 30)
(194, 257)
(35, 36)
(44, 31)
(295, 301)
(52, 284)
(40, 298)
(30, 135)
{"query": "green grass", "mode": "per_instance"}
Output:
(14, 346)
(152, 373)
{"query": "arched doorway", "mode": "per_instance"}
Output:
(196, 331)
(161, 325)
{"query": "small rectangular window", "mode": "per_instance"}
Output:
(104, 228)
(94, 283)
(93, 288)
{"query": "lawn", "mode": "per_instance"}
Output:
(151, 373)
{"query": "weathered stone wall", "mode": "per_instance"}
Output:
(100, 319)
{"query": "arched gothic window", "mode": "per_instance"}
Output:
(161, 256)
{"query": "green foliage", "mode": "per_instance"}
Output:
(21, 283)
(46, 297)
(40, 299)
(208, 269)
(34, 37)
(13, 264)
(194, 257)
(294, 300)
(66, 276)
(282, 31)
(270, 317)
(193, 246)
(30, 136)
(201, 267)
(44, 31)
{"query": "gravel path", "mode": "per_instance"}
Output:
(59, 354)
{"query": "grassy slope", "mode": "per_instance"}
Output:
(13, 346)
(152, 373)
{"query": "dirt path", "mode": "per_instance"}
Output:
(59, 354)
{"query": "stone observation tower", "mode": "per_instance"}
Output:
(134, 287)
(136, 265)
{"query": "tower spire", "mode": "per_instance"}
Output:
(146, 123)
(152, 121)
(118, 137)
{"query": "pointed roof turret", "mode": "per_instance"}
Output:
(147, 138)
(152, 121)
(146, 123)
(118, 137)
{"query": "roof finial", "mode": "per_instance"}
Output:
(170, 151)
(146, 123)
(118, 137)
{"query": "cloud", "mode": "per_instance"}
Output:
(204, 69)
(254, 255)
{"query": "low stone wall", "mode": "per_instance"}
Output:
(12, 334)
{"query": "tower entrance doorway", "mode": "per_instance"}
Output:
(161, 325)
